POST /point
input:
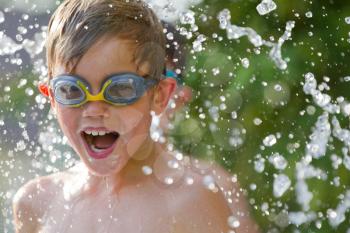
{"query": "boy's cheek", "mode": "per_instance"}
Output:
(128, 121)
(135, 143)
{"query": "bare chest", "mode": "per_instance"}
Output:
(125, 214)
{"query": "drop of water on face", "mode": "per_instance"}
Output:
(173, 164)
(147, 170)
(189, 180)
(168, 180)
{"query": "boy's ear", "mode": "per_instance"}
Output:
(45, 91)
(162, 94)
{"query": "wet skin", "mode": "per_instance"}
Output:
(113, 194)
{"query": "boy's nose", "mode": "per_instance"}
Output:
(96, 109)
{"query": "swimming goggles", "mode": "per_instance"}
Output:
(117, 89)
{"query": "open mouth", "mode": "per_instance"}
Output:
(99, 143)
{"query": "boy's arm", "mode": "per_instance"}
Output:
(25, 217)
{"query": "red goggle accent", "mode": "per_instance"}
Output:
(44, 89)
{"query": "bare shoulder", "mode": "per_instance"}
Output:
(199, 206)
(237, 200)
(216, 197)
(31, 201)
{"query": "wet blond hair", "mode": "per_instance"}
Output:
(77, 24)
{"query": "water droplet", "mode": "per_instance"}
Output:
(170, 36)
(22, 30)
(7, 89)
(252, 187)
(257, 121)
(197, 44)
(224, 18)
(168, 180)
(187, 17)
(278, 161)
(278, 87)
(2, 17)
(245, 62)
(270, 140)
(280, 185)
(266, 6)
(259, 165)
(215, 71)
(308, 14)
(147, 170)
(25, 16)
(347, 20)
(29, 91)
(189, 180)
(209, 182)
(233, 222)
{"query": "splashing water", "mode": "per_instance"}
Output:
(235, 32)
(280, 185)
(2, 17)
(266, 6)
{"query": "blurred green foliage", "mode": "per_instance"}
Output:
(320, 45)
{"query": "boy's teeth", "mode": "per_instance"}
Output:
(101, 133)
(88, 132)
(96, 133)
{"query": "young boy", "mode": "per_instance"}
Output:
(105, 65)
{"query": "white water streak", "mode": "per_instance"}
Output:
(235, 32)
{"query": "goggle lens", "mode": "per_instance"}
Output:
(69, 91)
(121, 90)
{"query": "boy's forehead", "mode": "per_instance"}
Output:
(108, 54)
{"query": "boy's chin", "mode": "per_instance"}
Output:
(104, 168)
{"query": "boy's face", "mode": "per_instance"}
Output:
(126, 127)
